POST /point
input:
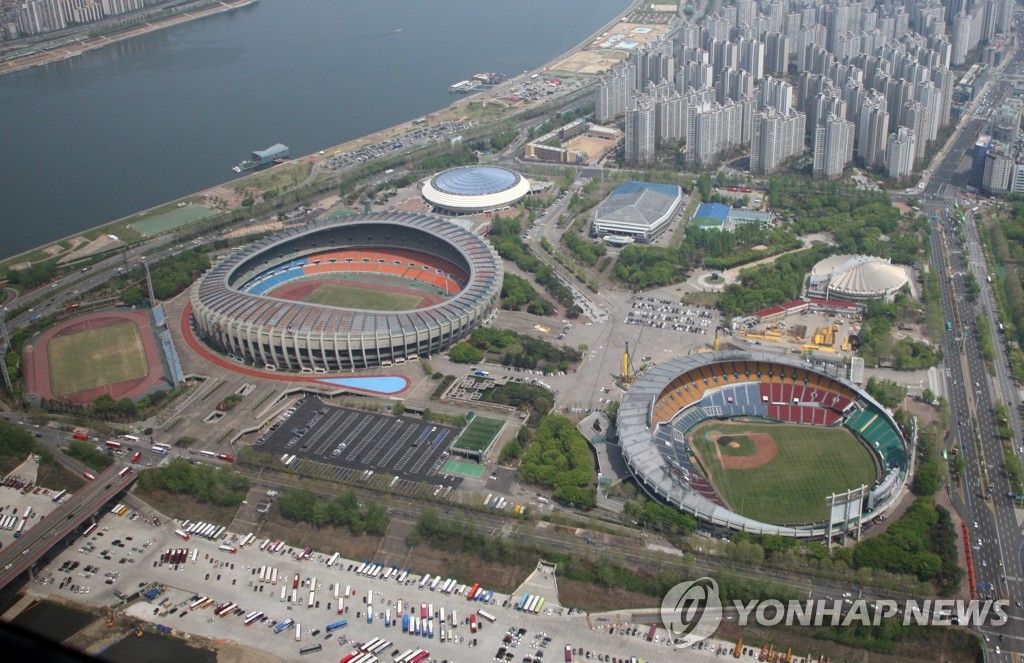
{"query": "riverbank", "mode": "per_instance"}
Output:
(501, 102)
(77, 47)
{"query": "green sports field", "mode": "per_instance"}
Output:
(479, 434)
(809, 463)
(176, 218)
(95, 358)
(352, 296)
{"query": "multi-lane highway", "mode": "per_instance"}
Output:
(33, 543)
(995, 537)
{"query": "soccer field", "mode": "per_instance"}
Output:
(354, 296)
(781, 473)
(479, 434)
(95, 358)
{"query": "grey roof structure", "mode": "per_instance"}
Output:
(638, 209)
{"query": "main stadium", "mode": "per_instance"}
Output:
(755, 443)
(365, 291)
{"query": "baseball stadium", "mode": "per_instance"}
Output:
(757, 443)
(364, 291)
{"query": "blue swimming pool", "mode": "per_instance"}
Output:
(383, 384)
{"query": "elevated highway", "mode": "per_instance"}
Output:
(70, 514)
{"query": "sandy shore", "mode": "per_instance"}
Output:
(91, 43)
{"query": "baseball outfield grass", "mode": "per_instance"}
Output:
(784, 480)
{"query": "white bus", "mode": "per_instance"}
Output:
(161, 449)
(486, 615)
(434, 582)
(424, 580)
(334, 558)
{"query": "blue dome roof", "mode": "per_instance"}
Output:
(475, 180)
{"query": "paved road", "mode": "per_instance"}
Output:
(995, 536)
(35, 542)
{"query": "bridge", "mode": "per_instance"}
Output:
(70, 514)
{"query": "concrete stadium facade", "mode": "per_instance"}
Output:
(299, 336)
(673, 397)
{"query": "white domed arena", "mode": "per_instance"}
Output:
(856, 278)
(474, 189)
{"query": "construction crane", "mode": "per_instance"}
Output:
(628, 375)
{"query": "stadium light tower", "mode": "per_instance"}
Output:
(149, 285)
(5, 346)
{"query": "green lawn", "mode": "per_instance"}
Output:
(479, 434)
(176, 218)
(790, 489)
(353, 296)
(95, 358)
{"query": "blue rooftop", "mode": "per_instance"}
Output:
(715, 211)
(475, 180)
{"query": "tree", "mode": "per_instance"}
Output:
(464, 353)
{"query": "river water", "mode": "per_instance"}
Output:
(93, 138)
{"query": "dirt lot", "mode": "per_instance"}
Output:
(182, 507)
(323, 539)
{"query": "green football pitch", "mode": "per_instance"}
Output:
(95, 357)
(353, 296)
(810, 462)
(479, 434)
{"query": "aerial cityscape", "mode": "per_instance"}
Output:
(701, 340)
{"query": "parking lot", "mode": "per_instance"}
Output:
(227, 577)
(666, 314)
(346, 444)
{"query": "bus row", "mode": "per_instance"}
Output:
(161, 449)
(412, 656)
(533, 604)
(177, 556)
(210, 531)
(375, 570)
(246, 540)
(274, 547)
(12, 522)
(119, 510)
(268, 574)
(288, 459)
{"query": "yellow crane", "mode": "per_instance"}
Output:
(628, 375)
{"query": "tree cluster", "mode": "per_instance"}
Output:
(887, 392)
(15, 445)
(201, 482)
(89, 455)
(876, 337)
(516, 292)
(668, 520)
(583, 250)
(770, 284)
(342, 511)
(558, 457)
(862, 221)
(533, 398)
(922, 544)
(642, 266)
(523, 351)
